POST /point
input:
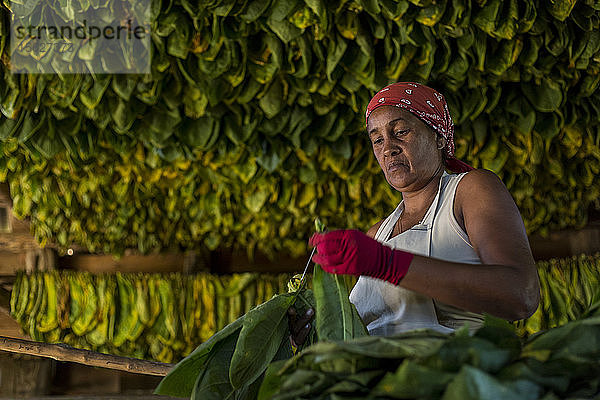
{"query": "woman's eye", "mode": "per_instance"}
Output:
(377, 141)
(401, 132)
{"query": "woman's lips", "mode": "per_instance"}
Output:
(395, 165)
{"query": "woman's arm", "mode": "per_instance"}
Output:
(507, 284)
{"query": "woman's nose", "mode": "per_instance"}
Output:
(390, 150)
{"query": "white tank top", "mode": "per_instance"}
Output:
(387, 309)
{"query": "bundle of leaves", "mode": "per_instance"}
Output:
(561, 363)
(162, 317)
(568, 286)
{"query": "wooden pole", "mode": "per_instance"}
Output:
(63, 352)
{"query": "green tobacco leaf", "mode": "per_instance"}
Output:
(47, 143)
(284, 29)
(523, 371)
(281, 9)
(369, 352)
(413, 381)
(123, 86)
(255, 9)
(528, 16)
(270, 155)
(256, 199)
(272, 380)
(497, 163)
(507, 23)
(415, 343)
(336, 50)
(464, 349)
(501, 333)
(473, 384)
(548, 126)
(579, 338)
(123, 115)
(432, 14)
(9, 105)
(92, 97)
(370, 6)
(336, 318)
(273, 101)
(128, 315)
(223, 8)
(546, 97)
(561, 9)
(304, 384)
(200, 133)
(161, 124)
(308, 175)
(486, 18)
(178, 42)
(263, 330)
(180, 381)
(31, 125)
(212, 381)
(8, 127)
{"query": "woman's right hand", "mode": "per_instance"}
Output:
(299, 326)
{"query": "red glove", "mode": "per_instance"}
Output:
(351, 252)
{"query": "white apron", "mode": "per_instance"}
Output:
(387, 309)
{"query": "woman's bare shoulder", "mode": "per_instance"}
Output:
(480, 189)
(480, 178)
(373, 230)
(480, 184)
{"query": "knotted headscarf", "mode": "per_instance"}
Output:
(429, 106)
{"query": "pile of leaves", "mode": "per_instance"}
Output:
(252, 119)
(161, 317)
(492, 364)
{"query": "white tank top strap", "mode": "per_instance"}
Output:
(387, 226)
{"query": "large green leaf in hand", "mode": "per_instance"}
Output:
(263, 330)
(336, 318)
(180, 381)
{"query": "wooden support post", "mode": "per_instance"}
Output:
(63, 352)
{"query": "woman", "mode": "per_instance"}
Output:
(454, 248)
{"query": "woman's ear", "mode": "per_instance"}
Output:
(441, 142)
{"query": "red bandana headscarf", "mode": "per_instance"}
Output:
(429, 106)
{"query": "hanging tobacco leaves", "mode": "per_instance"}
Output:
(251, 120)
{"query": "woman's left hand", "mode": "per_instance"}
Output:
(351, 252)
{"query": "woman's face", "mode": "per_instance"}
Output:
(406, 148)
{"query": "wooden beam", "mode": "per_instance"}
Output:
(97, 263)
(567, 243)
(61, 352)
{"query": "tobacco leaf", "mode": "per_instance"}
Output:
(263, 330)
(179, 382)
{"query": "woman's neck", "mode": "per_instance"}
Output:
(417, 202)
